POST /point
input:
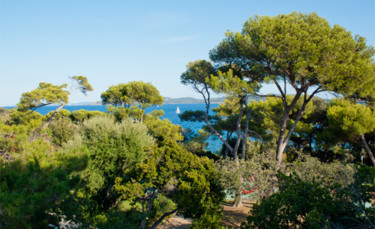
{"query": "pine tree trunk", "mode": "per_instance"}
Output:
(281, 141)
(237, 199)
(369, 152)
(245, 133)
(162, 218)
(53, 116)
(150, 203)
(239, 136)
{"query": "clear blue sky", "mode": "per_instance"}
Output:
(113, 42)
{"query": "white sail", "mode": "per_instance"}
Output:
(178, 110)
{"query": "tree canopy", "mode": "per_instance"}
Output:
(44, 94)
(132, 94)
(47, 93)
(301, 50)
(348, 120)
(136, 92)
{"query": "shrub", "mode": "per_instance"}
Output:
(304, 204)
(4, 115)
(29, 118)
(82, 115)
(62, 130)
(113, 147)
(310, 168)
(35, 183)
(61, 114)
(161, 206)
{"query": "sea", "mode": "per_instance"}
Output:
(214, 144)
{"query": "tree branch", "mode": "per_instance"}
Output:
(279, 88)
(154, 225)
(265, 96)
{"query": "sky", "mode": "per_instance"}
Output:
(119, 41)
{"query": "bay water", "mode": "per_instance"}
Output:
(214, 144)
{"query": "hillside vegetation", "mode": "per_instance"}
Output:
(303, 161)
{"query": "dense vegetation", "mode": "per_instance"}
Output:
(307, 162)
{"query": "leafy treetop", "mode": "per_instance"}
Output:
(45, 94)
(301, 50)
(136, 92)
(48, 93)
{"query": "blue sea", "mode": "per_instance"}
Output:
(214, 144)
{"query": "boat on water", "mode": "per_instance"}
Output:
(178, 110)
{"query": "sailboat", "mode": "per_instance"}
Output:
(178, 110)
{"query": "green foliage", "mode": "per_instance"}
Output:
(258, 172)
(61, 114)
(4, 115)
(62, 130)
(117, 96)
(12, 140)
(161, 206)
(227, 116)
(196, 143)
(29, 118)
(189, 181)
(113, 148)
(82, 115)
(196, 74)
(118, 112)
(45, 94)
(301, 50)
(128, 96)
(145, 94)
(35, 180)
(307, 41)
(366, 176)
(163, 130)
(348, 130)
(192, 116)
(121, 113)
(83, 84)
(327, 174)
(302, 204)
(255, 173)
(209, 221)
(363, 194)
(136, 92)
(267, 116)
(232, 85)
(348, 120)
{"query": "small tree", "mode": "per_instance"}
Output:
(204, 78)
(304, 204)
(188, 180)
(47, 94)
(350, 121)
(134, 93)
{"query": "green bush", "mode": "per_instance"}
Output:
(304, 204)
(4, 115)
(29, 118)
(113, 148)
(209, 220)
(310, 168)
(35, 183)
(62, 130)
(12, 138)
(82, 115)
(161, 206)
(61, 114)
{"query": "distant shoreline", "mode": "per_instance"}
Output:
(167, 100)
